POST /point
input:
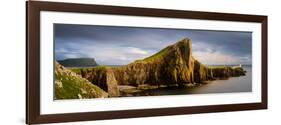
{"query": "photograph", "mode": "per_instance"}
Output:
(99, 61)
(89, 62)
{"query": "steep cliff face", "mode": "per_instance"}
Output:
(172, 65)
(69, 85)
(201, 73)
(226, 72)
(104, 78)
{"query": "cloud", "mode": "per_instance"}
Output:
(135, 50)
(104, 54)
(215, 58)
(214, 55)
(208, 54)
(122, 45)
(112, 55)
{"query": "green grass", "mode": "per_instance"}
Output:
(74, 86)
(158, 55)
(101, 67)
(162, 53)
(238, 69)
(217, 67)
(76, 70)
(224, 67)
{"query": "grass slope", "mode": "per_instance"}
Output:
(69, 85)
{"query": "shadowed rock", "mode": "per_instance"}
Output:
(104, 78)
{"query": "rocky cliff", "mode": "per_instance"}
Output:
(226, 72)
(104, 78)
(69, 85)
(172, 65)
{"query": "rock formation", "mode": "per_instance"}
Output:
(172, 65)
(69, 85)
(104, 78)
(225, 72)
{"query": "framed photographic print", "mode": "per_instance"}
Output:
(93, 62)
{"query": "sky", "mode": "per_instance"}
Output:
(112, 45)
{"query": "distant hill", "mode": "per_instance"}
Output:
(78, 62)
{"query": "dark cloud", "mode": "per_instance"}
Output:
(82, 40)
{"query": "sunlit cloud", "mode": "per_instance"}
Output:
(135, 50)
(213, 55)
(107, 54)
(215, 58)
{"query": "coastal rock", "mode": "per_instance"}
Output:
(226, 72)
(104, 78)
(201, 72)
(173, 65)
(69, 85)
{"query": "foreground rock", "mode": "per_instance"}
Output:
(104, 78)
(69, 85)
(172, 65)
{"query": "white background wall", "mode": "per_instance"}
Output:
(12, 74)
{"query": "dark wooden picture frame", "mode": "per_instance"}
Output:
(33, 9)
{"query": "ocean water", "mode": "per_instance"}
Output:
(231, 85)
